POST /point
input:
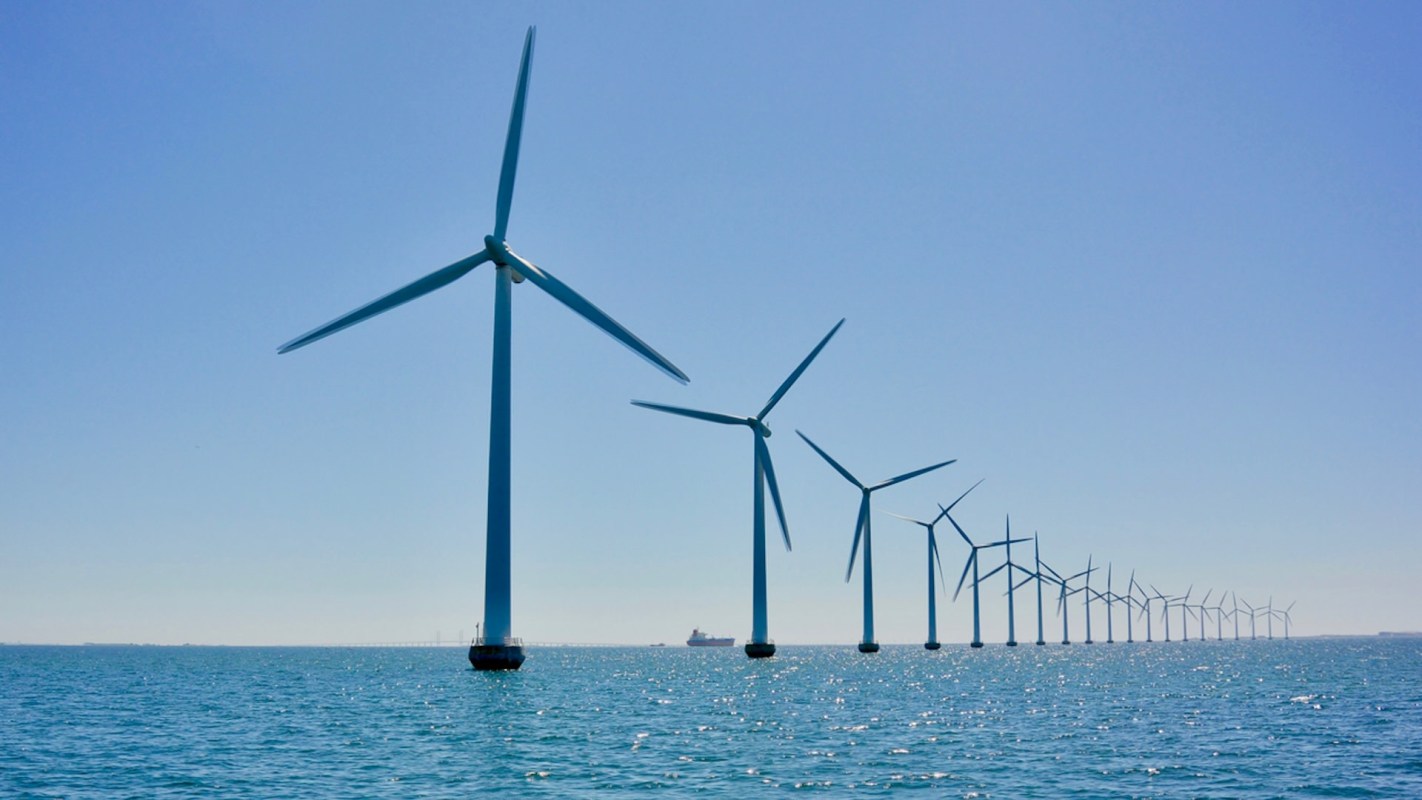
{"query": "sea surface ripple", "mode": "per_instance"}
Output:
(1248, 719)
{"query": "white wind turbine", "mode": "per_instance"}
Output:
(496, 648)
(760, 645)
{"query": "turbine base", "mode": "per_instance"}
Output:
(868, 647)
(1040, 642)
(976, 644)
(494, 657)
(760, 649)
(1012, 644)
(932, 645)
(1088, 641)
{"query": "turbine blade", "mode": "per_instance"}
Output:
(763, 453)
(907, 475)
(794, 376)
(972, 556)
(564, 294)
(959, 529)
(858, 531)
(907, 519)
(832, 462)
(510, 167)
(404, 294)
(991, 573)
(933, 545)
(961, 496)
(709, 416)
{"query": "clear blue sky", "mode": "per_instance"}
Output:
(1152, 270)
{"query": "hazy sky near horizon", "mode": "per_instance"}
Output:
(1150, 270)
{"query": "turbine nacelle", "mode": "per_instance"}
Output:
(502, 256)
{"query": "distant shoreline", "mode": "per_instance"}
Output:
(410, 645)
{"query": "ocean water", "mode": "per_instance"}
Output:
(1299, 718)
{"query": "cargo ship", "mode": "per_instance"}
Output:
(702, 639)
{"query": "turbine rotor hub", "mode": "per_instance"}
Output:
(499, 252)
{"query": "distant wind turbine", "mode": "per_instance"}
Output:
(1183, 603)
(1066, 592)
(1130, 603)
(1253, 614)
(932, 643)
(1038, 576)
(1287, 620)
(496, 648)
(972, 564)
(1144, 604)
(1165, 610)
(862, 529)
(759, 645)
(1203, 614)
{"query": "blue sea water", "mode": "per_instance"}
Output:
(1299, 718)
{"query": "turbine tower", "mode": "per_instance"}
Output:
(862, 528)
(1234, 615)
(932, 643)
(1087, 598)
(972, 563)
(1110, 639)
(760, 645)
(496, 648)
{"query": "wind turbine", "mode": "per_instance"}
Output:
(496, 648)
(1165, 612)
(1203, 617)
(933, 643)
(1253, 614)
(1287, 620)
(1130, 603)
(1185, 609)
(972, 563)
(1144, 603)
(1011, 613)
(760, 645)
(1039, 577)
(1269, 616)
(862, 527)
(1065, 593)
